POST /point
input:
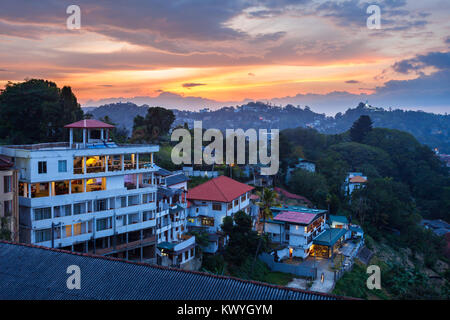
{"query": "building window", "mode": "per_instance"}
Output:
(43, 235)
(209, 222)
(236, 202)
(8, 207)
(7, 186)
(133, 218)
(79, 208)
(42, 167)
(100, 205)
(62, 165)
(103, 224)
(42, 213)
(230, 206)
(133, 200)
(217, 206)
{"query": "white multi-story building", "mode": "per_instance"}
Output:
(296, 228)
(211, 202)
(88, 196)
(175, 246)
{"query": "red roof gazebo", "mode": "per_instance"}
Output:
(87, 125)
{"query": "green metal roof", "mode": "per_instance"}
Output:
(166, 245)
(329, 237)
(356, 229)
(340, 219)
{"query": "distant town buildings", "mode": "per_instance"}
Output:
(301, 164)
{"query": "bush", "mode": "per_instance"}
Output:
(214, 264)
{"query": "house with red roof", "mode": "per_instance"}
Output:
(354, 181)
(211, 202)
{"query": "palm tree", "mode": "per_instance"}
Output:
(267, 199)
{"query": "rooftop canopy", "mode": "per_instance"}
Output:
(339, 219)
(89, 124)
(330, 237)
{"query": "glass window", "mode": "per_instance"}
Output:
(43, 235)
(217, 206)
(133, 218)
(79, 208)
(62, 165)
(7, 208)
(103, 224)
(68, 230)
(100, 205)
(42, 167)
(7, 184)
(42, 213)
(208, 221)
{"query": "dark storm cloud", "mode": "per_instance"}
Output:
(438, 60)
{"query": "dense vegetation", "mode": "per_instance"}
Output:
(428, 128)
(406, 182)
(36, 111)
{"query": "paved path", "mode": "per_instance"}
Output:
(323, 267)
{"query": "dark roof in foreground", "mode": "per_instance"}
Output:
(33, 272)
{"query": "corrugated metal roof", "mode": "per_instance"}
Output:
(176, 178)
(32, 272)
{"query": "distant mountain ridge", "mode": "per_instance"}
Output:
(428, 128)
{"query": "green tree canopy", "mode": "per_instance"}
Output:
(156, 123)
(36, 111)
(360, 128)
(242, 238)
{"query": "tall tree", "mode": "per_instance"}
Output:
(156, 123)
(242, 239)
(36, 111)
(360, 128)
(267, 199)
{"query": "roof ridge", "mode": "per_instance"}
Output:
(219, 187)
(178, 270)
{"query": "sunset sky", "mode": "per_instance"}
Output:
(319, 53)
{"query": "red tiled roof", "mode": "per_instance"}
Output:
(89, 124)
(295, 217)
(357, 179)
(220, 189)
(287, 194)
(254, 197)
(5, 163)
